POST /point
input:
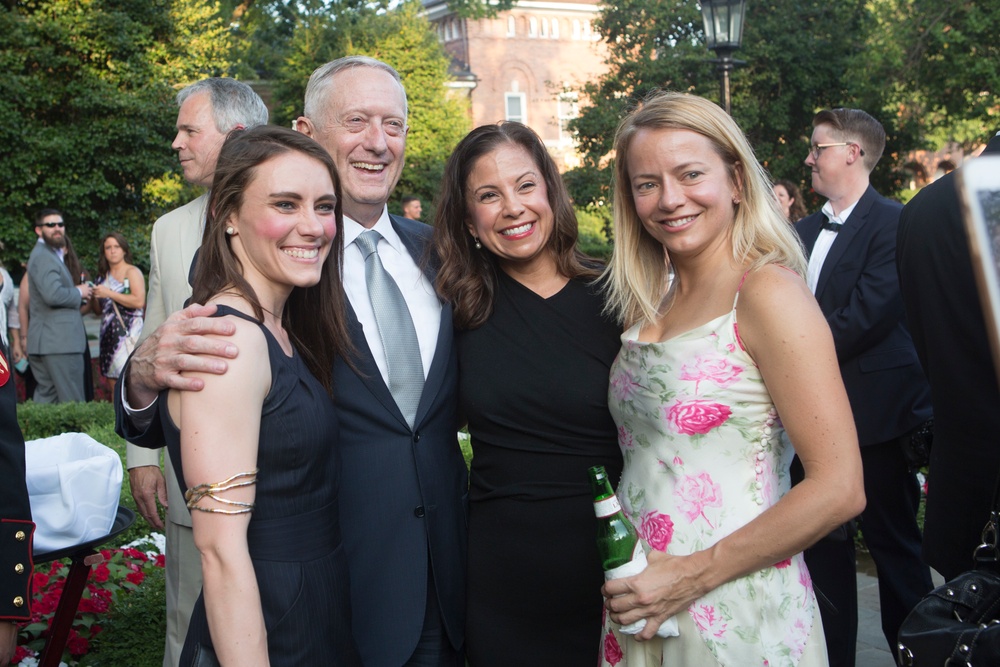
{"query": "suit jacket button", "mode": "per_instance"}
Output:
(419, 512)
(19, 601)
(19, 568)
(416, 437)
(20, 536)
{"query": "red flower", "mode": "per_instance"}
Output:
(696, 416)
(99, 573)
(612, 651)
(76, 644)
(136, 577)
(161, 560)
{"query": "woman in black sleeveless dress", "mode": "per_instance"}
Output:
(257, 447)
(534, 355)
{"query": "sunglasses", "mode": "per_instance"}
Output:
(50, 225)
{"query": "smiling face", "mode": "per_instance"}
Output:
(363, 127)
(509, 208)
(198, 141)
(285, 225)
(682, 190)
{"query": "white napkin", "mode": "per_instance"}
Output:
(74, 484)
(669, 627)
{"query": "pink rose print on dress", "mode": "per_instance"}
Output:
(781, 565)
(694, 494)
(696, 416)
(713, 369)
(624, 386)
(707, 620)
(625, 438)
(657, 529)
(612, 651)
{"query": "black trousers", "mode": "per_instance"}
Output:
(889, 526)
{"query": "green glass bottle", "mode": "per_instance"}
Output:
(617, 541)
(128, 288)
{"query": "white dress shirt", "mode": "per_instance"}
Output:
(418, 292)
(823, 242)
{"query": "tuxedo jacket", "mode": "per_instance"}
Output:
(55, 325)
(175, 239)
(16, 528)
(403, 493)
(945, 314)
(858, 292)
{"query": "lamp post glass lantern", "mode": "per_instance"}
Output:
(724, 34)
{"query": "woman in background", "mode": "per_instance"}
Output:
(718, 360)
(534, 351)
(118, 299)
(790, 199)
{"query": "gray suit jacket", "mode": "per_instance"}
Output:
(56, 325)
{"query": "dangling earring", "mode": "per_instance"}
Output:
(479, 246)
(230, 230)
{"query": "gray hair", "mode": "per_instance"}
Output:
(233, 103)
(322, 79)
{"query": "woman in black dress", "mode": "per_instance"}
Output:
(534, 355)
(256, 448)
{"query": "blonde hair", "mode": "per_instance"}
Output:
(637, 278)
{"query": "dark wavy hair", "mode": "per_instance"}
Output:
(467, 276)
(313, 316)
(797, 210)
(102, 262)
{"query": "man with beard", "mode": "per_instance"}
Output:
(56, 337)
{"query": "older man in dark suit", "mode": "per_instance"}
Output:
(949, 332)
(404, 487)
(56, 338)
(852, 271)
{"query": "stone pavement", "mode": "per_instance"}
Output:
(873, 651)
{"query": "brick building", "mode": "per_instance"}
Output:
(517, 66)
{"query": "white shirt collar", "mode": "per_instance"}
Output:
(353, 229)
(844, 215)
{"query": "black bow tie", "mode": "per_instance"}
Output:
(832, 226)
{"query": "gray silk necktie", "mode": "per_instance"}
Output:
(395, 328)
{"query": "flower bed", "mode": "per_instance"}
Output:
(122, 573)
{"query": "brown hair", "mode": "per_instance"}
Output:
(467, 275)
(858, 126)
(313, 316)
(103, 268)
(797, 210)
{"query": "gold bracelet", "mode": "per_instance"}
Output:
(195, 494)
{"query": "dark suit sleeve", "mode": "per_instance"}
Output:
(150, 436)
(875, 305)
(16, 528)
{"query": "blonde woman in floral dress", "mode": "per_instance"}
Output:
(725, 349)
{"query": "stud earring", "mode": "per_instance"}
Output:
(479, 246)
(230, 230)
(736, 201)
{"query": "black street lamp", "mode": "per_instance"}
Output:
(724, 34)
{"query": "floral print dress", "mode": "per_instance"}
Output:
(703, 457)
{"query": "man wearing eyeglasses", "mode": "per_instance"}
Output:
(56, 337)
(852, 271)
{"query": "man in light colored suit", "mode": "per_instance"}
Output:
(209, 110)
(56, 337)
(403, 493)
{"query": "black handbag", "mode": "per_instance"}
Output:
(958, 624)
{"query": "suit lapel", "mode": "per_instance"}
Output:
(368, 371)
(851, 227)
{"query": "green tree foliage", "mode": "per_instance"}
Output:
(404, 39)
(929, 70)
(87, 113)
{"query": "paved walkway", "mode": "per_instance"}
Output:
(873, 651)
